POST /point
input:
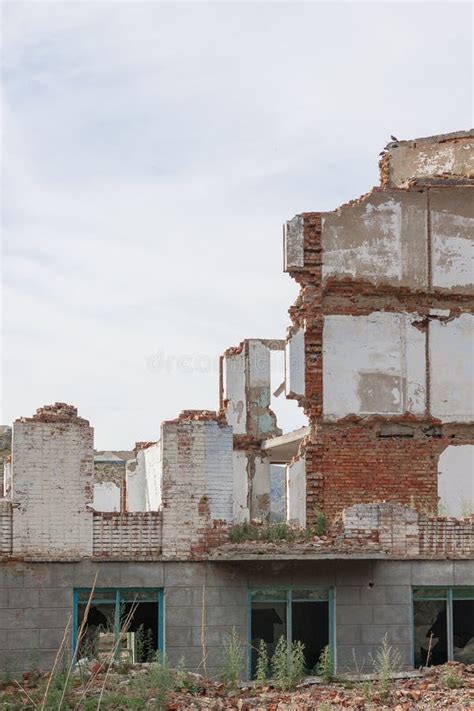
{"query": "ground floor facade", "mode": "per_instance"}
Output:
(188, 609)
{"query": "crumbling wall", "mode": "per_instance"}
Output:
(386, 305)
(448, 156)
(245, 388)
(197, 456)
(405, 533)
(53, 468)
(245, 399)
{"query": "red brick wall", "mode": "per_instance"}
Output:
(352, 464)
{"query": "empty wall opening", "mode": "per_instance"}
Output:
(289, 414)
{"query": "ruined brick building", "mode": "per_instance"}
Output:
(378, 486)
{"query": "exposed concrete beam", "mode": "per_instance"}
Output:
(280, 450)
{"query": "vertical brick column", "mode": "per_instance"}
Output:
(52, 483)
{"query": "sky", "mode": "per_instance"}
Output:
(151, 154)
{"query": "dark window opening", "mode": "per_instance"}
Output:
(443, 625)
(139, 625)
(122, 624)
(310, 625)
(463, 631)
(296, 615)
(268, 623)
(430, 633)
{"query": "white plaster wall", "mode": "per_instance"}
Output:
(106, 496)
(259, 364)
(240, 487)
(153, 475)
(382, 238)
(294, 364)
(293, 243)
(260, 487)
(259, 394)
(452, 227)
(277, 492)
(456, 480)
(234, 379)
(136, 483)
(296, 492)
(424, 159)
(53, 466)
(452, 369)
(373, 364)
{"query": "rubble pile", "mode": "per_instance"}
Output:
(92, 685)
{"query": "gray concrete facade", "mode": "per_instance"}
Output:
(371, 599)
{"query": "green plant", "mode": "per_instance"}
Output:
(140, 644)
(318, 528)
(450, 679)
(185, 682)
(387, 661)
(296, 664)
(324, 665)
(162, 679)
(280, 663)
(277, 532)
(234, 660)
(267, 532)
(243, 532)
(368, 690)
(262, 663)
(288, 664)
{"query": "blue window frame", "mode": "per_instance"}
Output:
(124, 622)
(442, 626)
(297, 614)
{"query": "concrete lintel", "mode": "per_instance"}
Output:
(282, 449)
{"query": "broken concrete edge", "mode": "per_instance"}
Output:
(436, 138)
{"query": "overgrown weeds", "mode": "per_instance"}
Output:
(272, 532)
(324, 667)
(288, 664)
(261, 674)
(450, 679)
(234, 660)
(387, 662)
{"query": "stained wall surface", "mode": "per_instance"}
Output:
(371, 599)
(373, 364)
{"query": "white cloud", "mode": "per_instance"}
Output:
(151, 153)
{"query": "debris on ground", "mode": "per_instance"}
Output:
(92, 686)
